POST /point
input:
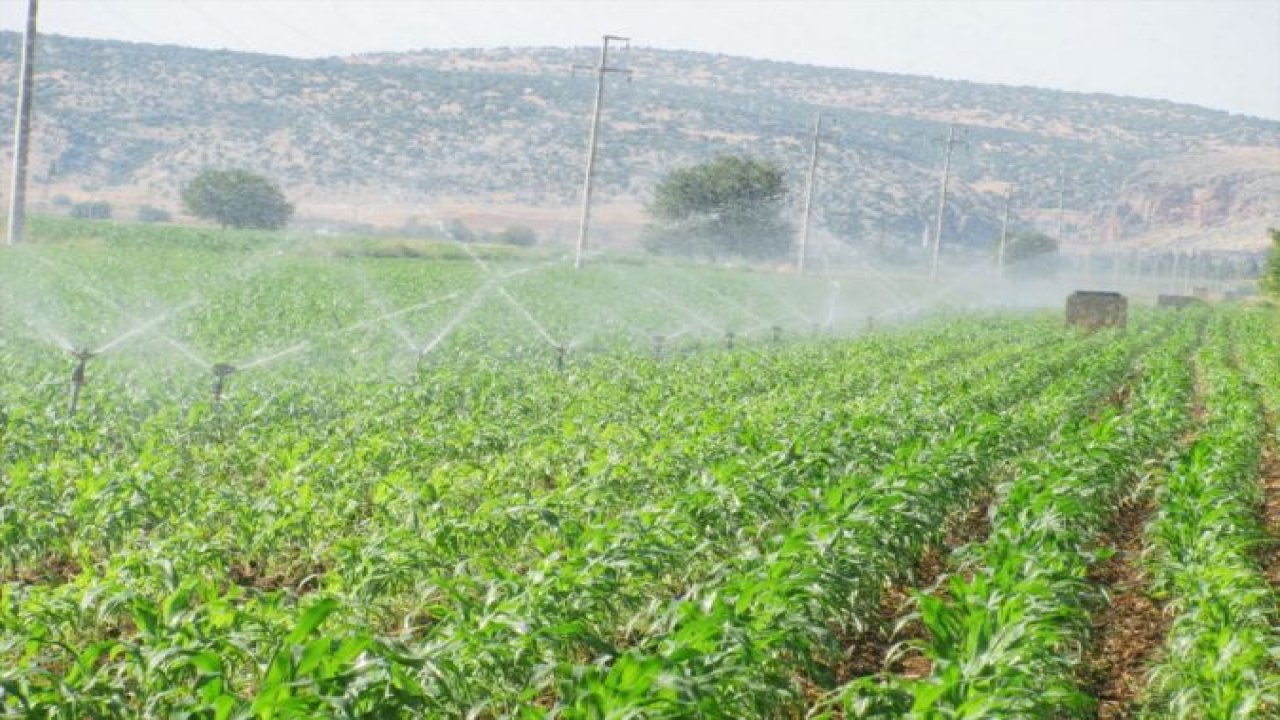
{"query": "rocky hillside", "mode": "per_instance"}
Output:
(499, 134)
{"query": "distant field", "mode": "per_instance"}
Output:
(472, 482)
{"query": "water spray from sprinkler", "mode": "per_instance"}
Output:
(77, 377)
(221, 372)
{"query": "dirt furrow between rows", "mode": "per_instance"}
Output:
(870, 652)
(1269, 481)
(1131, 626)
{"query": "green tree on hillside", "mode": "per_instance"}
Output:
(238, 199)
(1270, 281)
(1028, 252)
(728, 207)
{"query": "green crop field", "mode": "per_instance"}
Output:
(446, 481)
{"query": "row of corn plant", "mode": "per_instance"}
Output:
(740, 646)
(1221, 658)
(488, 537)
(617, 579)
(149, 524)
(601, 423)
(1005, 636)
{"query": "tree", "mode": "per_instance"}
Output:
(1271, 271)
(730, 206)
(149, 214)
(236, 198)
(1028, 252)
(91, 210)
(518, 235)
(458, 231)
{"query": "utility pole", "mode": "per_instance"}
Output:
(22, 129)
(1114, 247)
(952, 141)
(808, 194)
(600, 70)
(1004, 229)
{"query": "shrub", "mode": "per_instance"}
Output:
(98, 210)
(149, 214)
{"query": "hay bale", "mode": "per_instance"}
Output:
(1092, 309)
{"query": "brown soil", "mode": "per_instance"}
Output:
(1130, 628)
(1270, 482)
(868, 651)
(54, 569)
(301, 580)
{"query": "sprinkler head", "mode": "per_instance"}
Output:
(77, 377)
(658, 340)
(728, 340)
(221, 372)
(82, 358)
(777, 333)
(561, 352)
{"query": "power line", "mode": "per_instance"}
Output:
(600, 70)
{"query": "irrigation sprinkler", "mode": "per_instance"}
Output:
(728, 339)
(221, 372)
(658, 340)
(777, 334)
(77, 377)
(561, 352)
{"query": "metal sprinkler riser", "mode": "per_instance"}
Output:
(78, 377)
(221, 372)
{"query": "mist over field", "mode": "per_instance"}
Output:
(457, 383)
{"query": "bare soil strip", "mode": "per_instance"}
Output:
(1269, 480)
(868, 651)
(1130, 628)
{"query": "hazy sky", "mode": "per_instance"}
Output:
(1219, 53)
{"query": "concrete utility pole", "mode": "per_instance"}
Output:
(22, 129)
(1004, 229)
(1113, 247)
(952, 141)
(808, 195)
(1062, 194)
(600, 70)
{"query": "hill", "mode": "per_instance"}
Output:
(493, 136)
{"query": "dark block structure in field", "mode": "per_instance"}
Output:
(1092, 310)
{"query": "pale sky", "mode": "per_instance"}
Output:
(1223, 54)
